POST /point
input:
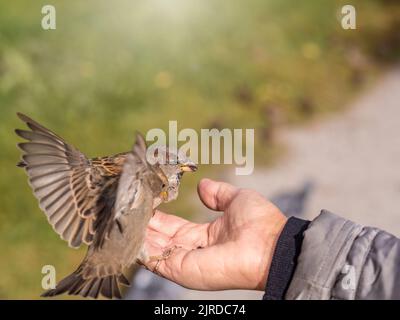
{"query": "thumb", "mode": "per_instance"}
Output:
(216, 195)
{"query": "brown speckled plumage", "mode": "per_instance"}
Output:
(103, 202)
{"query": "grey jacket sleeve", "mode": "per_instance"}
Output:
(340, 259)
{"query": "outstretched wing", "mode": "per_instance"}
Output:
(63, 182)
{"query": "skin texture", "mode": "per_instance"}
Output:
(232, 252)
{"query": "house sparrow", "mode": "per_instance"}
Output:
(105, 203)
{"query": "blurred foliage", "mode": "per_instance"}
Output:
(111, 68)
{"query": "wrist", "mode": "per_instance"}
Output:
(272, 231)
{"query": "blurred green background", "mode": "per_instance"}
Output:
(111, 68)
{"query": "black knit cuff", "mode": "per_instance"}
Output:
(284, 260)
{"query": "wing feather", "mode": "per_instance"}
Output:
(59, 175)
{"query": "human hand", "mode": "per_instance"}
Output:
(232, 252)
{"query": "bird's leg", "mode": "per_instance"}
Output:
(145, 258)
(164, 256)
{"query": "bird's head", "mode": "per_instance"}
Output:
(173, 164)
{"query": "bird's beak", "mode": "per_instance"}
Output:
(189, 167)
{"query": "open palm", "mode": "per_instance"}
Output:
(232, 252)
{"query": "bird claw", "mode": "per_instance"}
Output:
(164, 256)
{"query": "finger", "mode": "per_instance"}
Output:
(216, 195)
(166, 223)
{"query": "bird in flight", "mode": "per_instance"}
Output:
(104, 203)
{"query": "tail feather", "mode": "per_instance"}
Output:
(84, 291)
(75, 284)
(106, 289)
(115, 288)
(95, 290)
(123, 280)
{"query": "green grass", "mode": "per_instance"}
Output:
(112, 68)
